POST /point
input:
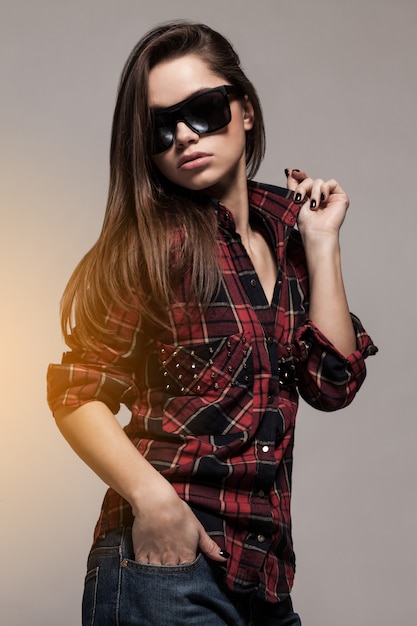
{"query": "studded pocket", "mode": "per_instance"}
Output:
(206, 368)
(207, 387)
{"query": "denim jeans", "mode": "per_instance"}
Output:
(119, 591)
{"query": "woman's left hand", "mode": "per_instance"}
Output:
(324, 203)
(324, 206)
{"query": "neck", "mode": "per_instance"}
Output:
(234, 197)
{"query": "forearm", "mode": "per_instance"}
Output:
(165, 530)
(329, 309)
(97, 437)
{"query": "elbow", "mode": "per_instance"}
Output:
(326, 403)
(331, 395)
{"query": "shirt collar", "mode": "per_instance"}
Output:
(269, 201)
(273, 202)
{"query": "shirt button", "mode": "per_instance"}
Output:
(261, 493)
(253, 282)
(270, 399)
(260, 538)
(265, 448)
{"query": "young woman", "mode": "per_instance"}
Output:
(204, 310)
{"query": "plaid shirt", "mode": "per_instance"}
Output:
(214, 398)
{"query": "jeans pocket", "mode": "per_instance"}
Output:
(167, 595)
(90, 597)
(146, 568)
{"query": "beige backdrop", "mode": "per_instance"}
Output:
(338, 84)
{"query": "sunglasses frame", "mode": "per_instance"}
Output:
(176, 114)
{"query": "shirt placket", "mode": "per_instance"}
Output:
(259, 536)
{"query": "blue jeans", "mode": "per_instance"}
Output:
(119, 591)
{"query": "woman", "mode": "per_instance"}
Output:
(204, 310)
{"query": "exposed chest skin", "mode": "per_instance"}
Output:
(260, 253)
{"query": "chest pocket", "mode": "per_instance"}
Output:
(206, 369)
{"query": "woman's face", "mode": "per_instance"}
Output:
(213, 161)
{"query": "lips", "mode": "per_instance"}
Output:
(187, 158)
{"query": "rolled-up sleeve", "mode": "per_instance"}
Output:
(327, 380)
(107, 372)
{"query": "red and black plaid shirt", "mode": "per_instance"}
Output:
(214, 399)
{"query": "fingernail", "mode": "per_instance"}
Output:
(224, 554)
(298, 197)
(287, 172)
(296, 170)
(313, 204)
(322, 197)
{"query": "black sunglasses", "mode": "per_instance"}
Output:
(204, 112)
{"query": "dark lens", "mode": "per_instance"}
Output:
(164, 135)
(208, 112)
(163, 132)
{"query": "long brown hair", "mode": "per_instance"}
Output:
(145, 213)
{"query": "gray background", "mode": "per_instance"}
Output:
(337, 81)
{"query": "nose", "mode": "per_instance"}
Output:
(185, 135)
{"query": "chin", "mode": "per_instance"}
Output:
(199, 184)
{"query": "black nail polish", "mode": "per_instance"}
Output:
(313, 204)
(294, 170)
(224, 554)
(287, 172)
(322, 197)
(298, 197)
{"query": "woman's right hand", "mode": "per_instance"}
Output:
(166, 532)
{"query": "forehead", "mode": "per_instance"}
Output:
(176, 79)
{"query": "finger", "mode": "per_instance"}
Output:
(294, 178)
(211, 549)
(303, 190)
(331, 190)
(167, 557)
(316, 194)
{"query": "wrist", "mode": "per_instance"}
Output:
(155, 494)
(319, 242)
(317, 234)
